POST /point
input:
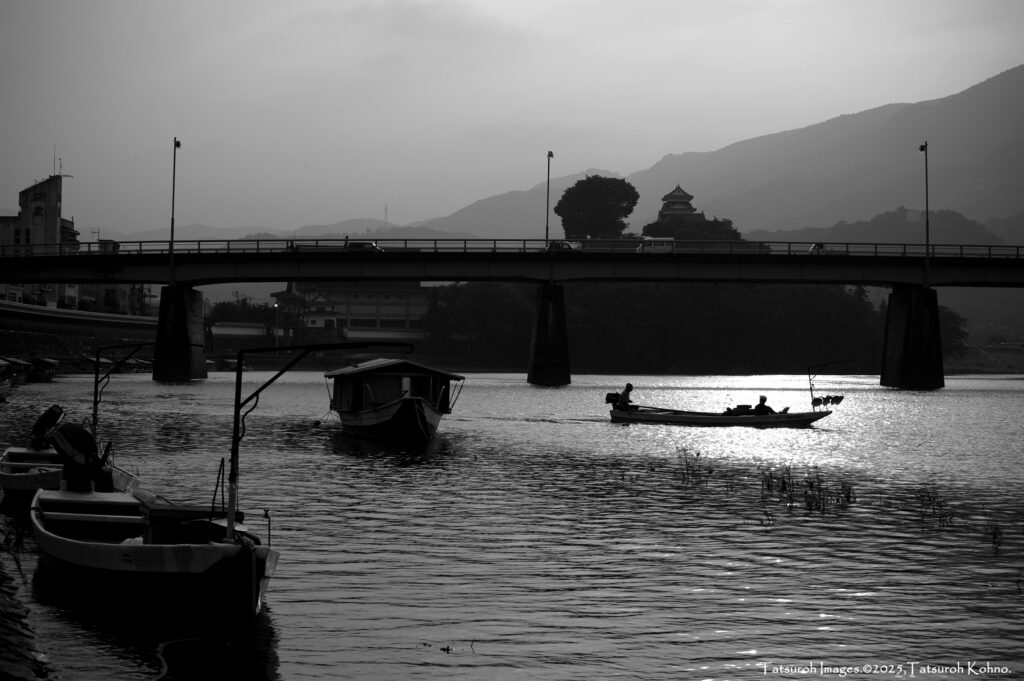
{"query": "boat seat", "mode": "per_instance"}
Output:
(93, 518)
(117, 504)
(22, 451)
(187, 512)
(30, 464)
(60, 497)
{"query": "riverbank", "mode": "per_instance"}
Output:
(20, 658)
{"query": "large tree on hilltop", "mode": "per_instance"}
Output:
(596, 207)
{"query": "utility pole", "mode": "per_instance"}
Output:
(927, 217)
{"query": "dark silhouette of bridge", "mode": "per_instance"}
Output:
(911, 357)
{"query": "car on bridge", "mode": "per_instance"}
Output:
(362, 247)
(558, 245)
(334, 245)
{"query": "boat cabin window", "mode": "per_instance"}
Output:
(364, 391)
(381, 389)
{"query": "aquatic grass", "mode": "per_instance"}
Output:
(993, 531)
(781, 491)
(13, 544)
(814, 493)
(690, 472)
(932, 503)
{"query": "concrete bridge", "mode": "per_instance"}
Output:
(911, 357)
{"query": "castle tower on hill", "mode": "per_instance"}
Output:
(676, 204)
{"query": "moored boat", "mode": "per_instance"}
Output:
(17, 370)
(43, 369)
(32, 465)
(133, 545)
(5, 382)
(23, 470)
(117, 542)
(393, 399)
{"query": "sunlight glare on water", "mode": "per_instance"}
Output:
(535, 539)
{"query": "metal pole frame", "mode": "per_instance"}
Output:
(547, 205)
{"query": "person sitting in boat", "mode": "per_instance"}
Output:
(625, 402)
(762, 406)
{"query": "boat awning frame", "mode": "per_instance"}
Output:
(386, 365)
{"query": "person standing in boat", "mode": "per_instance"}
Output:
(625, 403)
(762, 406)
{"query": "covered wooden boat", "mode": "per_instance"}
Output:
(5, 382)
(43, 369)
(642, 414)
(393, 399)
(17, 370)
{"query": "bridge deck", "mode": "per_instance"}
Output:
(207, 262)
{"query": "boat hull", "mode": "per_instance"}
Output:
(23, 470)
(410, 420)
(218, 579)
(698, 418)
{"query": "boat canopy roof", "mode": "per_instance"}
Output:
(385, 365)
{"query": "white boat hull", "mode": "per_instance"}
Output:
(101, 546)
(23, 470)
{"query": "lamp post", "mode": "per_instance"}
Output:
(174, 173)
(927, 223)
(547, 205)
(276, 341)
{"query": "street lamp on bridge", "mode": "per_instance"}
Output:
(174, 173)
(927, 224)
(547, 205)
(276, 326)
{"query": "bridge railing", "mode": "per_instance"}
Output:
(478, 246)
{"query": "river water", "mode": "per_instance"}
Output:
(534, 539)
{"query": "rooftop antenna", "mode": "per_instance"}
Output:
(58, 163)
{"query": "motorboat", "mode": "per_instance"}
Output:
(759, 416)
(32, 465)
(732, 417)
(104, 535)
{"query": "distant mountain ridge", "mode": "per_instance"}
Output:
(848, 168)
(365, 227)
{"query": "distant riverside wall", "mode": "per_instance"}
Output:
(68, 336)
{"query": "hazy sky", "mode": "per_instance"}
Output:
(314, 111)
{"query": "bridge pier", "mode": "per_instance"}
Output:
(180, 341)
(912, 351)
(549, 352)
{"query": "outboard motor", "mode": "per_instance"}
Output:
(77, 447)
(611, 398)
(45, 426)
